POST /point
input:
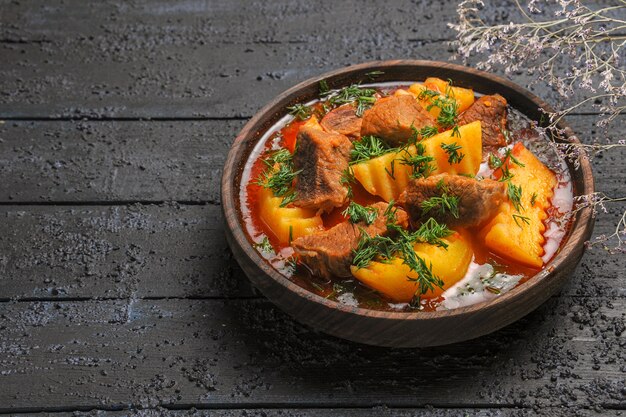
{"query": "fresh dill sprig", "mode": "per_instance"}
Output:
(420, 163)
(509, 154)
(431, 232)
(390, 212)
(371, 247)
(448, 110)
(443, 204)
(452, 149)
(426, 94)
(494, 161)
(265, 246)
(358, 213)
(384, 249)
(300, 111)
(514, 192)
(279, 175)
(363, 97)
(423, 133)
(367, 148)
(372, 75)
(347, 178)
(324, 89)
(518, 217)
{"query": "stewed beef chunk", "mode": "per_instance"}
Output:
(321, 157)
(393, 119)
(476, 201)
(491, 111)
(343, 120)
(329, 253)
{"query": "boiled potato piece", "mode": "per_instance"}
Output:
(386, 176)
(287, 223)
(463, 96)
(393, 279)
(519, 235)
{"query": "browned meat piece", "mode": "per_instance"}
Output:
(392, 119)
(478, 201)
(343, 120)
(491, 111)
(322, 158)
(329, 253)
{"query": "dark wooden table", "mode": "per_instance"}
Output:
(118, 292)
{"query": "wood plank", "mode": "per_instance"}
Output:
(188, 61)
(213, 353)
(114, 161)
(380, 411)
(162, 160)
(169, 250)
(119, 251)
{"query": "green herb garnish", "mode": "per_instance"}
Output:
(444, 203)
(518, 217)
(265, 246)
(279, 175)
(514, 192)
(300, 111)
(367, 148)
(431, 232)
(452, 149)
(533, 199)
(420, 163)
(357, 213)
(363, 97)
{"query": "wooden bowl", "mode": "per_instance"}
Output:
(399, 329)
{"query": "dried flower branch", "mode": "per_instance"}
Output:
(571, 46)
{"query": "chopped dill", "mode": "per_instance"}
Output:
(324, 89)
(290, 233)
(431, 232)
(518, 217)
(449, 110)
(514, 192)
(456, 132)
(367, 148)
(300, 111)
(391, 172)
(452, 149)
(372, 75)
(494, 161)
(363, 97)
(357, 213)
(426, 94)
(442, 204)
(279, 175)
(420, 163)
(347, 178)
(390, 212)
(533, 199)
(509, 154)
(423, 133)
(265, 246)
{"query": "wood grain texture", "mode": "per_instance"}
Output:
(379, 411)
(193, 59)
(154, 161)
(180, 353)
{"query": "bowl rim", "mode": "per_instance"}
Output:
(230, 201)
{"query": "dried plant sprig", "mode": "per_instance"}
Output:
(615, 242)
(589, 43)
